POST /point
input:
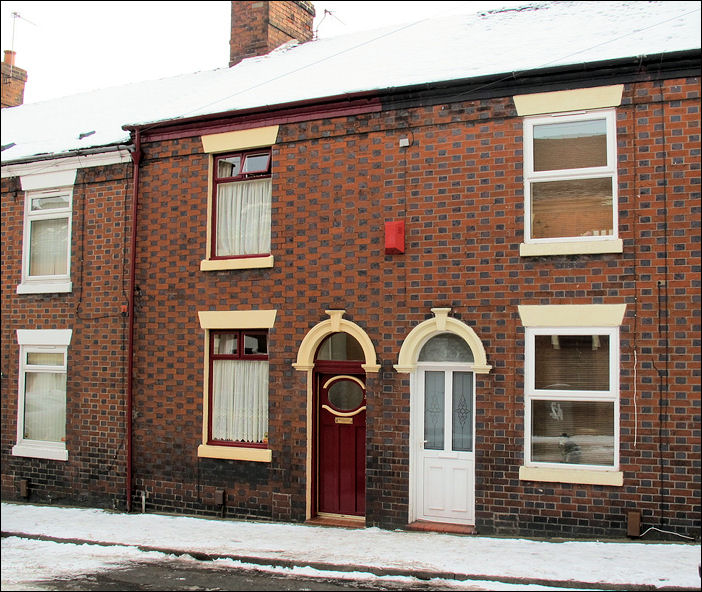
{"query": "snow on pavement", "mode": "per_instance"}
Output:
(633, 563)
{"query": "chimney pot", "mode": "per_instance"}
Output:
(9, 57)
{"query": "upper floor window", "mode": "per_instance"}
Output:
(46, 258)
(241, 210)
(570, 178)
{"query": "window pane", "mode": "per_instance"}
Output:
(434, 410)
(48, 247)
(446, 347)
(345, 395)
(49, 203)
(45, 406)
(462, 411)
(340, 346)
(240, 400)
(579, 207)
(255, 344)
(44, 359)
(572, 432)
(226, 343)
(229, 166)
(571, 362)
(243, 216)
(256, 163)
(572, 145)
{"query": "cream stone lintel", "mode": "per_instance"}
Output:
(569, 100)
(235, 453)
(593, 247)
(239, 263)
(240, 140)
(407, 360)
(237, 319)
(572, 315)
(580, 476)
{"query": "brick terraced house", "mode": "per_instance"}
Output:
(438, 276)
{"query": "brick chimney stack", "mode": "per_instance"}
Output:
(260, 27)
(13, 81)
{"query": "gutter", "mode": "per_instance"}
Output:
(68, 154)
(136, 159)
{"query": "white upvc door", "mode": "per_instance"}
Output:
(443, 436)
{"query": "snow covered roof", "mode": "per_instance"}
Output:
(540, 35)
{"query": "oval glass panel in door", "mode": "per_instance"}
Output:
(345, 395)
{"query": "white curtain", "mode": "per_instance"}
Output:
(244, 218)
(48, 250)
(45, 406)
(240, 400)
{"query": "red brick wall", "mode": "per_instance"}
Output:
(95, 433)
(459, 188)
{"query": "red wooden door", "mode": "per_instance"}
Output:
(341, 448)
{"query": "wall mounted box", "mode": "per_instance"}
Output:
(395, 237)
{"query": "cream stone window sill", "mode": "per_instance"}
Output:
(242, 263)
(235, 453)
(577, 476)
(571, 248)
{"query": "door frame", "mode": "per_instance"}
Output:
(417, 437)
(407, 363)
(305, 363)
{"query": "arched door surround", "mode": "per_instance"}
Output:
(306, 363)
(441, 323)
(442, 411)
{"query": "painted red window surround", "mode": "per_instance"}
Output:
(261, 173)
(239, 355)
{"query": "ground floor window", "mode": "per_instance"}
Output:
(238, 387)
(572, 397)
(41, 409)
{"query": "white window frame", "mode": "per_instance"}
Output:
(607, 171)
(46, 284)
(531, 393)
(41, 341)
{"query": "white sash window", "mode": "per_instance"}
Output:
(41, 416)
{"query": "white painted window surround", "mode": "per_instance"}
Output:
(46, 243)
(557, 394)
(41, 391)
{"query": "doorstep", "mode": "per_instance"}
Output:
(338, 521)
(445, 527)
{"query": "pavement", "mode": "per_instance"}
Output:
(575, 564)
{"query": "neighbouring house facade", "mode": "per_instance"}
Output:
(372, 297)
